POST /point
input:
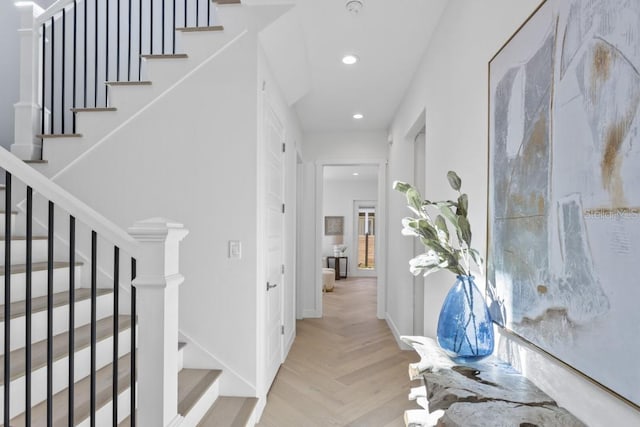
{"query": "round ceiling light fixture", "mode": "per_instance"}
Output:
(354, 6)
(349, 59)
(358, 116)
(355, 174)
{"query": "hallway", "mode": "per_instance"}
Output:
(344, 369)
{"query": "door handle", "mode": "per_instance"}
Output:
(270, 286)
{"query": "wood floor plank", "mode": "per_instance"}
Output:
(344, 369)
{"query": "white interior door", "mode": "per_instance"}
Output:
(274, 208)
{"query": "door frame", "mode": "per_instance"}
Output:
(381, 238)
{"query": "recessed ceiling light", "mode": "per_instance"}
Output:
(358, 116)
(349, 59)
(355, 174)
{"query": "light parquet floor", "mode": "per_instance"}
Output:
(344, 369)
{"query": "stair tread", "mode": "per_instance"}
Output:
(200, 29)
(127, 83)
(36, 266)
(192, 383)
(93, 110)
(2, 211)
(38, 304)
(36, 161)
(82, 339)
(165, 56)
(229, 412)
(82, 395)
(227, 1)
(59, 135)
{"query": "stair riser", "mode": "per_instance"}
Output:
(2, 220)
(180, 359)
(167, 70)
(130, 99)
(203, 405)
(96, 125)
(82, 369)
(104, 414)
(60, 152)
(38, 283)
(60, 321)
(19, 251)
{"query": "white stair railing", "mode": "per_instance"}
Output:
(153, 247)
(71, 50)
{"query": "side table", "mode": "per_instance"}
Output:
(336, 263)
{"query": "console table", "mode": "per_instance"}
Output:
(484, 393)
(336, 262)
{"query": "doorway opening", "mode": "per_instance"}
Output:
(344, 190)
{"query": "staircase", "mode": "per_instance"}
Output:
(73, 339)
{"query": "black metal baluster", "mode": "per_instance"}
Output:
(208, 13)
(75, 45)
(64, 49)
(94, 294)
(185, 13)
(173, 28)
(44, 85)
(50, 316)
(197, 13)
(118, 41)
(7, 298)
(163, 52)
(140, 40)
(116, 330)
(72, 318)
(151, 27)
(133, 344)
(106, 50)
(53, 73)
(28, 307)
(86, 59)
(95, 55)
(129, 45)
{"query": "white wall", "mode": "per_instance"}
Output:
(320, 148)
(344, 145)
(194, 162)
(338, 200)
(451, 84)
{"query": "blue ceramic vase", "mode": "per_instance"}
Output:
(465, 330)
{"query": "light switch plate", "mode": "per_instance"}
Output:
(235, 249)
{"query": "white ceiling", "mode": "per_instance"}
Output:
(389, 37)
(346, 173)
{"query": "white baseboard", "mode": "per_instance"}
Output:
(396, 333)
(311, 314)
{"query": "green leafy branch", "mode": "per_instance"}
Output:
(434, 233)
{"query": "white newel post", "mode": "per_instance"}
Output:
(27, 110)
(157, 282)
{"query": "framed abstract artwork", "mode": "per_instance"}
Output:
(564, 188)
(333, 225)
